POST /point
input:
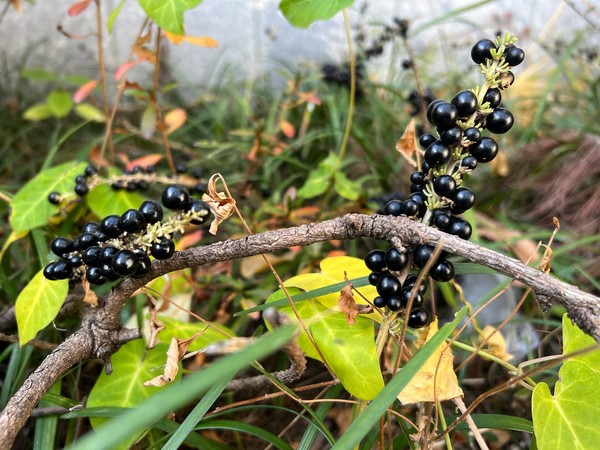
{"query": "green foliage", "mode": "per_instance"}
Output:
(168, 14)
(30, 206)
(568, 419)
(302, 13)
(179, 394)
(373, 412)
(38, 304)
(89, 112)
(103, 200)
(132, 365)
(184, 330)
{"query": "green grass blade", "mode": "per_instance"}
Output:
(496, 421)
(196, 415)
(370, 416)
(336, 287)
(234, 425)
(45, 427)
(177, 395)
(310, 434)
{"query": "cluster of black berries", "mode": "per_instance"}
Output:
(136, 179)
(437, 196)
(121, 246)
(393, 294)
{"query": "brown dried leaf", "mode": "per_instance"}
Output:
(407, 144)
(176, 352)
(221, 205)
(226, 347)
(347, 304)
(496, 345)
(90, 296)
(421, 387)
(156, 326)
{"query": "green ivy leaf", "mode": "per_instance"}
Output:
(60, 103)
(168, 14)
(302, 13)
(104, 200)
(37, 112)
(568, 419)
(319, 179)
(346, 188)
(184, 330)
(38, 304)
(30, 206)
(132, 365)
(348, 349)
(90, 112)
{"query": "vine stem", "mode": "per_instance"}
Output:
(101, 333)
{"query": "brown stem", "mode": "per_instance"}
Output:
(102, 74)
(101, 334)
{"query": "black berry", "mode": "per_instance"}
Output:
(151, 211)
(482, 50)
(499, 121)
(493, 96)
(54, 198)
(514, 56)
(61, 246)
(465, 103)
(163, 249)
(200, 211)
(444, 115)
(426, 140)
(111, 226)
(463, 200)
(175, 197)
(132, 221)
(375, 260)
(485, 150)
(388, 285)
(459, 227)
(125, 263)
(472, 134)
(418, 318)
(396, 260)
(81, 189)
(444, 185)
(443, 270)
(393, 208)
(437, 154)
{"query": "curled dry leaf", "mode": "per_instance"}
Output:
(346, 302)
(496, 344)
(156, 326)
(176, 352)
(407, 144)
(221, 205)
(90, 296)
(421, 387)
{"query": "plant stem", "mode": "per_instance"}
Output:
(105, 105)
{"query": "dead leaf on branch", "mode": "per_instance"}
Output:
(347, 304)
(421, 387)
(176, 352)
(221, 205)
(407, 144)
(90, 296)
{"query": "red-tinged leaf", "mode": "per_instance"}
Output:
(84, 91)
(174, 119)
(287, 129)
(16, 4)
(77, 8)
(144, 161)
(200, 41)
(309, 97)
(189, 240)
(123, 68)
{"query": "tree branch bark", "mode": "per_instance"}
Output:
(101, 334)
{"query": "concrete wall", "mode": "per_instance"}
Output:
(254, 38)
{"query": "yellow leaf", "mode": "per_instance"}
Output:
(496, 345)
(200, 41)
(174, 119)
(12, 237)
(442, 376)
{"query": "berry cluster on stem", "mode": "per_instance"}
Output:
(438, 196)
(121, 246)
